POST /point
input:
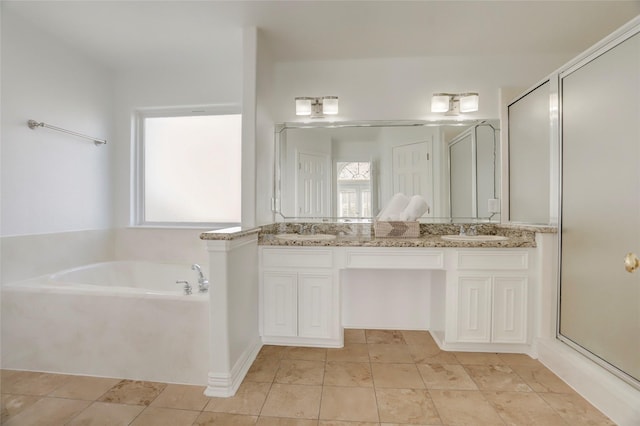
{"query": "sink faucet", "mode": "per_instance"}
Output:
(203, 283)
(303, 228)
(462, 230)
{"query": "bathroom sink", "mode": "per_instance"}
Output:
(472, 238)
(306, 237)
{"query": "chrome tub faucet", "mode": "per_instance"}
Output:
(187, 286)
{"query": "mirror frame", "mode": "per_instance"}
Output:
(281, 127)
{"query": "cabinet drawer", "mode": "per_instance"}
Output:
(297, 258)
(377, 258)
(492, 260)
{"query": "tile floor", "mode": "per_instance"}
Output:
(378, 378)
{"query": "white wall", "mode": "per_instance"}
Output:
(264, 132)
(59, 188)
(53, 182)
(369, 301)
(215, 81)
(401, 88)
(249, 114)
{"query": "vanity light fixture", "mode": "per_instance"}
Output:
(303, 106)
(454, 103)
(317, 107)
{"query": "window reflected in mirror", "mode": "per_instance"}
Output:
(354, 188)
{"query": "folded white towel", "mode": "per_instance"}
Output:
(394, 208)
(415, 209)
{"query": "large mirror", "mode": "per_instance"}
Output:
(350, 170)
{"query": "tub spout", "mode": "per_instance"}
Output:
(187, 286)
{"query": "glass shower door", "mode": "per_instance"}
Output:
(599, 299)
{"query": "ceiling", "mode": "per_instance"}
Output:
(126, 34)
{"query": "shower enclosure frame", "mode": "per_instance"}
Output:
(557, 134)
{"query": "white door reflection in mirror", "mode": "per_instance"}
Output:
(312, 183)
(354, 188)
(412, 171)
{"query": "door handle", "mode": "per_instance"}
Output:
(631, 262)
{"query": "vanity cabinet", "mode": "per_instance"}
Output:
(492, 309)
(491, 297)
(298, 291)
(478, 301)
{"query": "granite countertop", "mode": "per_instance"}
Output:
(422, 241)
(362, 235)
(229, 233)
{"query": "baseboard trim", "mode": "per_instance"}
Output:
(226, 385)
(303, 341)
(613, 396)
(515, 348)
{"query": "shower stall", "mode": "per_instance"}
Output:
(599, 309)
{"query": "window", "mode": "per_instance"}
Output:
(354, 189)
(188, 167)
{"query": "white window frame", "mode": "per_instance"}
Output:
(137, 213)
(356, 184)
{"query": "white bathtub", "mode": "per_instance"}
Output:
(114, 319)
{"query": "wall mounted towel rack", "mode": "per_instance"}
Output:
(33, 124)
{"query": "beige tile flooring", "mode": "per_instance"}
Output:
(378, 378)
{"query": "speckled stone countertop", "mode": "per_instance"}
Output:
(228, 233)
(362, 235)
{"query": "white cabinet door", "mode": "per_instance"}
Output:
(509, 310)
(492, 309)
(314, 305)
(474, 309)
(280, 303)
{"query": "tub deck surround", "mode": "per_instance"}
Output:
(228, 234)
(113, 319)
